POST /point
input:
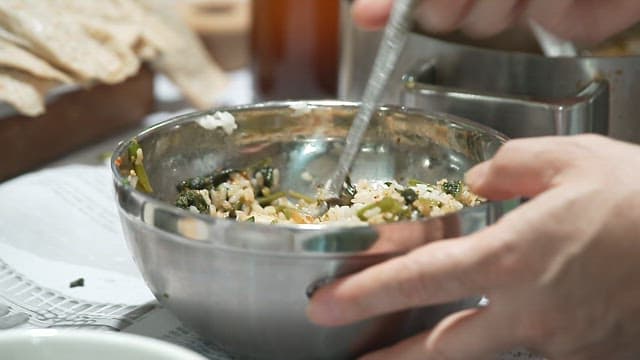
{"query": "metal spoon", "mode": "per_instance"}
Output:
(393, 40)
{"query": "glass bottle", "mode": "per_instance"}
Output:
(294, 49)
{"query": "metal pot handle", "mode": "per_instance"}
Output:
(515, 116)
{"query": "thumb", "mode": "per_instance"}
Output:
(521, 168)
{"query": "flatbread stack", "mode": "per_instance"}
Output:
(46, 44)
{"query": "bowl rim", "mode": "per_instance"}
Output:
(174, 121)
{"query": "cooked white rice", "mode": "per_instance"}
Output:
(374, 202)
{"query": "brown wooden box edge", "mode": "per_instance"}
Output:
(73, 120)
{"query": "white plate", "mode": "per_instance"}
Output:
(49, 344)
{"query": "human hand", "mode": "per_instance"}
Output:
(583, 21)
(561, 272)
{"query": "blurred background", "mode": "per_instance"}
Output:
(101, 68)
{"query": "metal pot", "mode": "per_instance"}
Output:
(245, 286)
(517, 93)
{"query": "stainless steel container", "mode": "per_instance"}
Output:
(517, 93)
(245, 286)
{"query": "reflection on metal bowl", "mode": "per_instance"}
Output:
(245, 286)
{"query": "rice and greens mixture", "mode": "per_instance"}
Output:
(254, 195)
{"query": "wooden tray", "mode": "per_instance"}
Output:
(72, 120)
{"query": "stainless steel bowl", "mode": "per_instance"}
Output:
(245, 286)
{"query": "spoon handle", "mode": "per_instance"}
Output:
(393, 40)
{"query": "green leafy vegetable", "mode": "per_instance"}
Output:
(266, 173)
(347, 192)
(267, 200)
(452, 188)
(409, 195)
(208, 182)
(386, 205)
(77, 283)
(299, 196)
(188, 198)
(136, 157)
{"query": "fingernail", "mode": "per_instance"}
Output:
(476, 175)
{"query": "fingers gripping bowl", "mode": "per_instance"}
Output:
(245, 285)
